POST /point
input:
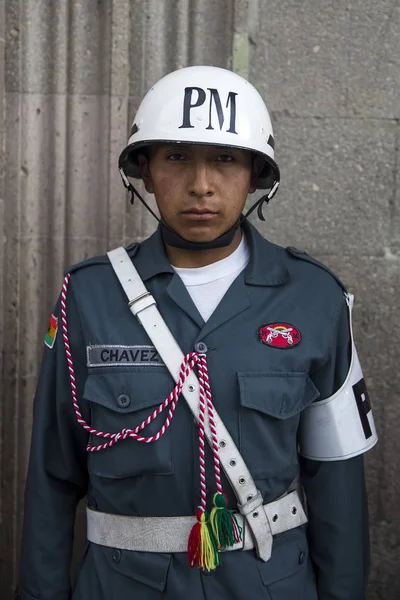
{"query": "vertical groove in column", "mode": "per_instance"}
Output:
(240, 46)
(177, 35)
(88, 116)
(118, 118)
(11, 308)
(2, 216)
(211, 32)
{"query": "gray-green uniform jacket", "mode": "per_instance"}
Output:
(259, 391)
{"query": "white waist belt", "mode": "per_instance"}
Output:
(171, 534)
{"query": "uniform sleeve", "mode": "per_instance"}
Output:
(57, 474)
(336, 496)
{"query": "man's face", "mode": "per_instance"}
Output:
(200, 190)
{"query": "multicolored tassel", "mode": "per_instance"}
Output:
(224, 524)
(202, 548)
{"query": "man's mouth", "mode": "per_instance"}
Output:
(200, 211)
(199, 214)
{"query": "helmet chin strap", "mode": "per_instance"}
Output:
(172, 238)
(264, 199)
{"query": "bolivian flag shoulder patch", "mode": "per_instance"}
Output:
(51, 334)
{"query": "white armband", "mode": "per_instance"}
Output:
(341, 426)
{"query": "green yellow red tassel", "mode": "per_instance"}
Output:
(224, 524)
(202, 547)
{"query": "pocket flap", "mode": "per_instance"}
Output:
(128, 392)
(151, 569)
(289, 555)
(279, 395)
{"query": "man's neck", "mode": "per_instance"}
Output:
(191, 259)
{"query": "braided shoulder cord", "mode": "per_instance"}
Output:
(221, 529)
(187, 365)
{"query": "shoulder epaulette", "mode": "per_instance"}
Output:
(99, 260)
(302, 255)
(95, 260)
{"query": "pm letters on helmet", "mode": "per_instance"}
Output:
(190, 101)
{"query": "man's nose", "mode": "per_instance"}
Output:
(201, 181)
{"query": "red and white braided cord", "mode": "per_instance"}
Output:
(205, 387)
(205, 405)
(202, 455)
(187, 365)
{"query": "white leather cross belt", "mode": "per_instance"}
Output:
(171, 534)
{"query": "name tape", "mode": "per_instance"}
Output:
(118, 356)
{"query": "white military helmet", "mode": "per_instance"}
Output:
(204, 105)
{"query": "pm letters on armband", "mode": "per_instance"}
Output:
(363, 405)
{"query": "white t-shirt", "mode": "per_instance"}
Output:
(207, 285)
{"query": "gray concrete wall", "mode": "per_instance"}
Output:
(72, 73)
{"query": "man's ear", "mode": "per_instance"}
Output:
(145, 172)
(257, 166)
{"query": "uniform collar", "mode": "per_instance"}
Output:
(150, 257)
(265, 267)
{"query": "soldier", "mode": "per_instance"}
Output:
(237, 341)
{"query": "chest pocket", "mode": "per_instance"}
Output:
(119, 400)
(270, 407)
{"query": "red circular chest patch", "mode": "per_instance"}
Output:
(279, 335)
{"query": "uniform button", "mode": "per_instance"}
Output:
(200, 347)
(123, 401)
(116, 555)
(302, 557)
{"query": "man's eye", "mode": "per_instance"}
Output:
(225, 158)
(175, 156)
